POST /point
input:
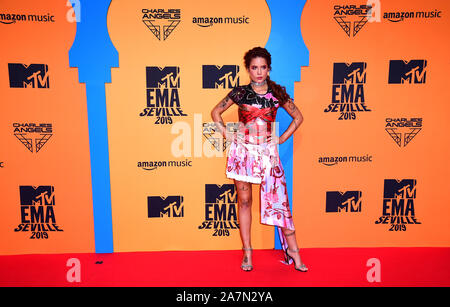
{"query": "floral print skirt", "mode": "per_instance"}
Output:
(260, 164)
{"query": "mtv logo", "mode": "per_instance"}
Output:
(225, 76)
(167, 77)
(405, 188)
(349, 201)
(170, 206)
(344, 73)
(37, 196)
(28, 76)
(413, 71)
(225, 193)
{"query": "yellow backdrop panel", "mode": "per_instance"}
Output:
(163, 47)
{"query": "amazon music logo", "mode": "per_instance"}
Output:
(33, 136)
(410, 72)
(220, 209)
(349, 201)
(335, 160)
(161, 22)
(155, 164)
(403, 15)
(165, 207)
(37, 211)
(399, 204)
(222, 77)
(28, 76)
(403, 130)
(206, 22)
(11, 18)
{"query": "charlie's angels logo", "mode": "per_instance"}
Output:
(37, 211)
(161, 21)
(220, 209)
(170, 206)
(347, 96)
(216, 139)
(352, 18)
(349, 201)
(28, 76)
(399, 204)
(411, 72)
(403, 130)
(33, 136)
(163, 99)
(224, 77)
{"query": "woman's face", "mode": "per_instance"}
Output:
(258, 69)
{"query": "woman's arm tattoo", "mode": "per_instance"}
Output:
(224, 102)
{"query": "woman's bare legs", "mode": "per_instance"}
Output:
(244, 190)
(292, 246)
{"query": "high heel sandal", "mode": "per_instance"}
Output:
(245, 266)
(302, 267)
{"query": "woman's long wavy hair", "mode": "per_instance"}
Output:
(278, 91)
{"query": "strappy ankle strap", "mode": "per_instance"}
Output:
(247, 249)
(289, 234)
(293, 250)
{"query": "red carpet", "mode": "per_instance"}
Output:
(328, 267)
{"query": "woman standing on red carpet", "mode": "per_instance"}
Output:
(253, 155)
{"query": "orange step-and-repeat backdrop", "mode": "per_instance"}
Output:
(370, 163)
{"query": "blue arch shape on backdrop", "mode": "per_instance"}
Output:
(289, 53)
(94, 55)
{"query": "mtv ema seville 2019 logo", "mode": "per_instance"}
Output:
(399, 204)
(163, 98)
(37, 211)
(220, 209)
(347, 96)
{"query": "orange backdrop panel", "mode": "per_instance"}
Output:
(324, 135)
(63, 160)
